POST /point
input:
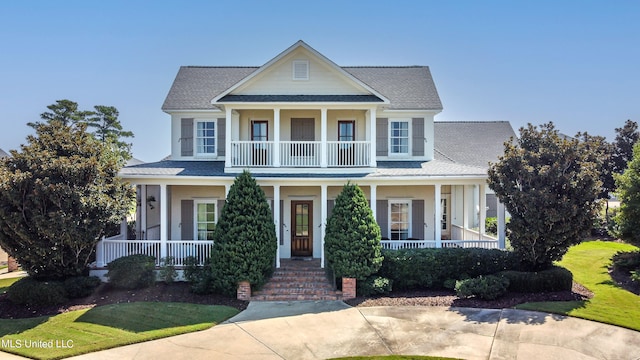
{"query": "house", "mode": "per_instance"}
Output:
(305, 126)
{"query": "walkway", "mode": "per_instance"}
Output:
(322, 330)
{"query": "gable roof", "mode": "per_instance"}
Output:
(402, 87)
(471, 143)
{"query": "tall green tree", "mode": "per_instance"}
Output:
(108, 129)
(57, 197)
(549, 184)
(628, 191)
(64, 111)
(626, 137)
(352, 239)
(245, 242)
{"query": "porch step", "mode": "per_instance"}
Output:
(297, 280)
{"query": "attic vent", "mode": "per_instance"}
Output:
(300, 70)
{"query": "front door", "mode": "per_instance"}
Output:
(260, 132)
(445, 222)
(302, 234)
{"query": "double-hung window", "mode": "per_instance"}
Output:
(399, 219)
(399, 137)
(206, 216)
(206, 137)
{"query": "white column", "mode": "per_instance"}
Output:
(374, 195)
(100, 253)
(227, 187)
(323, 137)
(372, 137)
(323, 220)
(437, 211)
(228, 146)
(164, 216)
(143, 211)
(482, 205)
(502, 228)
(465, 212)
(276, 219)
(276, 137)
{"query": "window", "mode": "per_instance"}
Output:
(399, 219)
(206, 216)
(346, 130)
(206, 138)
(300, 69)
(259, 130)
(399, 137)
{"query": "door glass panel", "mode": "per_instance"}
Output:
(302, 220)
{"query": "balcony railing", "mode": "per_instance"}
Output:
(300, 153)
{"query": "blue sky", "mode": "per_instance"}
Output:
(576, 63)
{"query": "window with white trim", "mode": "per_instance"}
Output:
(206, 137)
(399, 137)
(300, 69)
(399, 219)
(206, 216)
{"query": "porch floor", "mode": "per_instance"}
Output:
(298, 280)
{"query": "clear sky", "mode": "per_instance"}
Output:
(576, 63)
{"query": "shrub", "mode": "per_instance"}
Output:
(626, 260)
(80, 286)
(374, 285)
(635, 276)
(488, 287)
(30, 291)
(200, 277)
(491, 225)
(132, 272)
(245, 238)
(167, 272)
(352, 240)
(554, 279)
(431, 268)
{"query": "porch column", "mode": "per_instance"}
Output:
(502, 228)
(465, 212)
(372, 137)
(276, 138)
(143, 212)
(164, 215)
(227, 187)
(482, 205)
(276, 219)
(323, 220)
(372, 203)
(228, 146)
(437, 211)
(323, 137)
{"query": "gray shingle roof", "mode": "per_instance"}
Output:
(410, 88)
(300, 98)
(471, 143)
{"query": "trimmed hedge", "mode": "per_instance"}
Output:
(374, 285)
(554, 279)
(33, 292)
(488, 287)
(132, 272)
(81, 286)
(431, 268)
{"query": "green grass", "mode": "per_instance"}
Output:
(108, 326)
(610, 304)
(5, 283)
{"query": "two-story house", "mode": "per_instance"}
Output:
(304, 127)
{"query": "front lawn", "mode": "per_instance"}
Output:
(5, 283)
(611, 304)
(88, 330)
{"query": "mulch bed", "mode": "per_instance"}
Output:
(179, 292)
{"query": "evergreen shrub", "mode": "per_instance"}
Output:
(80, 286)
(554, 279)
(31, 291)
(132, 272)
(488, 287)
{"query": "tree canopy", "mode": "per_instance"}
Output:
(549, 184)
(628, 191)
(58, 195)
(352, 239)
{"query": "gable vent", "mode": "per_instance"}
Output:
(300, 70)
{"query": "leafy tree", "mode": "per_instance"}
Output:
(628, 218)
(57, 197)
(108, 128)
(64, 111)
(352, 239)
(550, 186)
(626, 137)
(602, 153)
(245, 242)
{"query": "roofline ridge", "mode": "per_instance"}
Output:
(219, 66)
(472, 121)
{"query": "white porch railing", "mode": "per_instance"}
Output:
(423, 244)
(300, 153)
(348, 153)
(252, 153)
(110, 249)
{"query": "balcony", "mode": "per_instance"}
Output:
(300, 154)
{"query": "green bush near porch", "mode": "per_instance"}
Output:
(431, 268)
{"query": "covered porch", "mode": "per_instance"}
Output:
(177, 219)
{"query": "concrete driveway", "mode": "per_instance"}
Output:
(322, 330)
